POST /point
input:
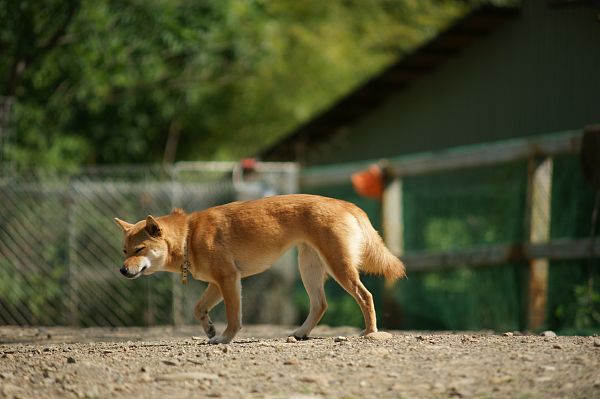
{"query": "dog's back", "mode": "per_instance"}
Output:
(257, 232)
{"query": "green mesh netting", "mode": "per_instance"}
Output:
(480, 206)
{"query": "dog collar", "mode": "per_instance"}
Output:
(185, 266)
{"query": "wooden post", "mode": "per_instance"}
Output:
(393, 236)
(539, 201)
(391, 204)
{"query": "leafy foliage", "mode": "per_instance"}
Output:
(115, 81)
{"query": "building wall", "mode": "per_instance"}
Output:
(536, 74)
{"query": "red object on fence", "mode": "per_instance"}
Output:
(248, 164)
(369, 183)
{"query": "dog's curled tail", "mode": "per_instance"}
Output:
(377, 258)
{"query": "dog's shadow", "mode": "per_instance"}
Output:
(250, 341)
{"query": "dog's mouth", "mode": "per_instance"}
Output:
(125, 272)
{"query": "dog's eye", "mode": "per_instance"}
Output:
(140, 249)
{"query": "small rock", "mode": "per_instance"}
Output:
(340, 339)
(548, 334)
(258, 388)
(398, 387)
(291, 339)
(193, 375)
(501, 379)
(290, 362)
(597, 343)
(169, 363)
(557, 346)
(196, 338)
(71, 360)
(315, 379)
(508, 334)
(225, 349)
(379, 335)
(457, 392)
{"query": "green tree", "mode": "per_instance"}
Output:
(144, 81)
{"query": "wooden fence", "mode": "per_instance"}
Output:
(537, 250)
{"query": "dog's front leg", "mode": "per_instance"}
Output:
(209, 299)
(231, 289)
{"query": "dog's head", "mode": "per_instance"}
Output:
(144, 247)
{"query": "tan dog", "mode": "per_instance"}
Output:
(223, 244)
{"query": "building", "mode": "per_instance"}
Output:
(498, 73)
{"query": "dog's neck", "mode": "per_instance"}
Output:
(178, 261)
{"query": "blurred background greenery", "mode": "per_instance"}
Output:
(147, 81)
(144, 81)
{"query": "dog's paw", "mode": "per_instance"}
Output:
(364, 333)
(300, 335)
(219, 339)
(210, 331)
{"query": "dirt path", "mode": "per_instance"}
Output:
(261, 363)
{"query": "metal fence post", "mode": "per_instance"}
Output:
(72, 301)
(177, 287)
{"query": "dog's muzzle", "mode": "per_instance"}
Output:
(125, 272)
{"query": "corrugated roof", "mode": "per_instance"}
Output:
(390, 81)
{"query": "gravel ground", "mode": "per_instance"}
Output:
(263, 363)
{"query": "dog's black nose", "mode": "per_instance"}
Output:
(123, 271)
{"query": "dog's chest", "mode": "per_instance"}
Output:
(200, 273)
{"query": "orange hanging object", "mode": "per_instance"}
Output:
(369, 183)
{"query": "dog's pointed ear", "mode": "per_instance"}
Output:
(152, 227)
(123, 224)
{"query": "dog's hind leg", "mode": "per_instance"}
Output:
(209, 299)
(313, 276)
(348, 278)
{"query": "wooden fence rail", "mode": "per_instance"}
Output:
(537, 250)
(452, 159)
(492, 255)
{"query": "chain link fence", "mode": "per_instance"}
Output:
(6, 104)
(60, 250)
